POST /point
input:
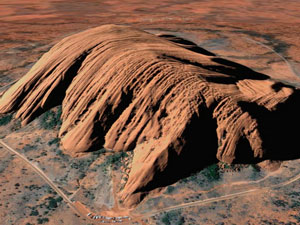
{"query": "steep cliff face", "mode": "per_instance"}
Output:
(166, 99)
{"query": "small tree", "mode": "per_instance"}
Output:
(4, 120)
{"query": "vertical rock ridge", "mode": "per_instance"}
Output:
(162, 97)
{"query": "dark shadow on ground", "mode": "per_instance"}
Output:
(278, 129)
(186, 44)
(193, 157)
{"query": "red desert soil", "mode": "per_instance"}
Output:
(169, 101)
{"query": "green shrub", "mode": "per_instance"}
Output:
(255, 172)
(59, 153)
(89, 194)
(166, 220)
(51, 119)
(173, 217)
(295, 204)
(42, 220)
(170, 189)
(180, 221)
(4, 120)
(280, 203)
(29, 147)
(212, 172)
(16, 125)
(81, 176)
(54, 141)
(34, 213)
(195, 178)
(59, 199)
(52, 202)
(98, 152)
(114, 160)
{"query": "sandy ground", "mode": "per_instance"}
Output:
(245, 31)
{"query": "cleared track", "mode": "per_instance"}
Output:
(42, 175)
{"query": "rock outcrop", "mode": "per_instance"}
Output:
(176, 105)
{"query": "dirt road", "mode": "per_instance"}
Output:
(42, 175)
(224, 197)
(167, 209)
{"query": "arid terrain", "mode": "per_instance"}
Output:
(45, 185)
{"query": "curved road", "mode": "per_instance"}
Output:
(180, 206)
(49, 181)
(201, 202)
(221, 198)
(291, 68)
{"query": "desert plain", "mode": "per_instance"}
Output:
(263, 36)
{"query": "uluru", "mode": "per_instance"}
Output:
(175, 105)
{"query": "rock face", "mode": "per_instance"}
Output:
(176, 105)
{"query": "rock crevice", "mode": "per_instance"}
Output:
(162, 97)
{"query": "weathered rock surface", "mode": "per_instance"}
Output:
(177, 106)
